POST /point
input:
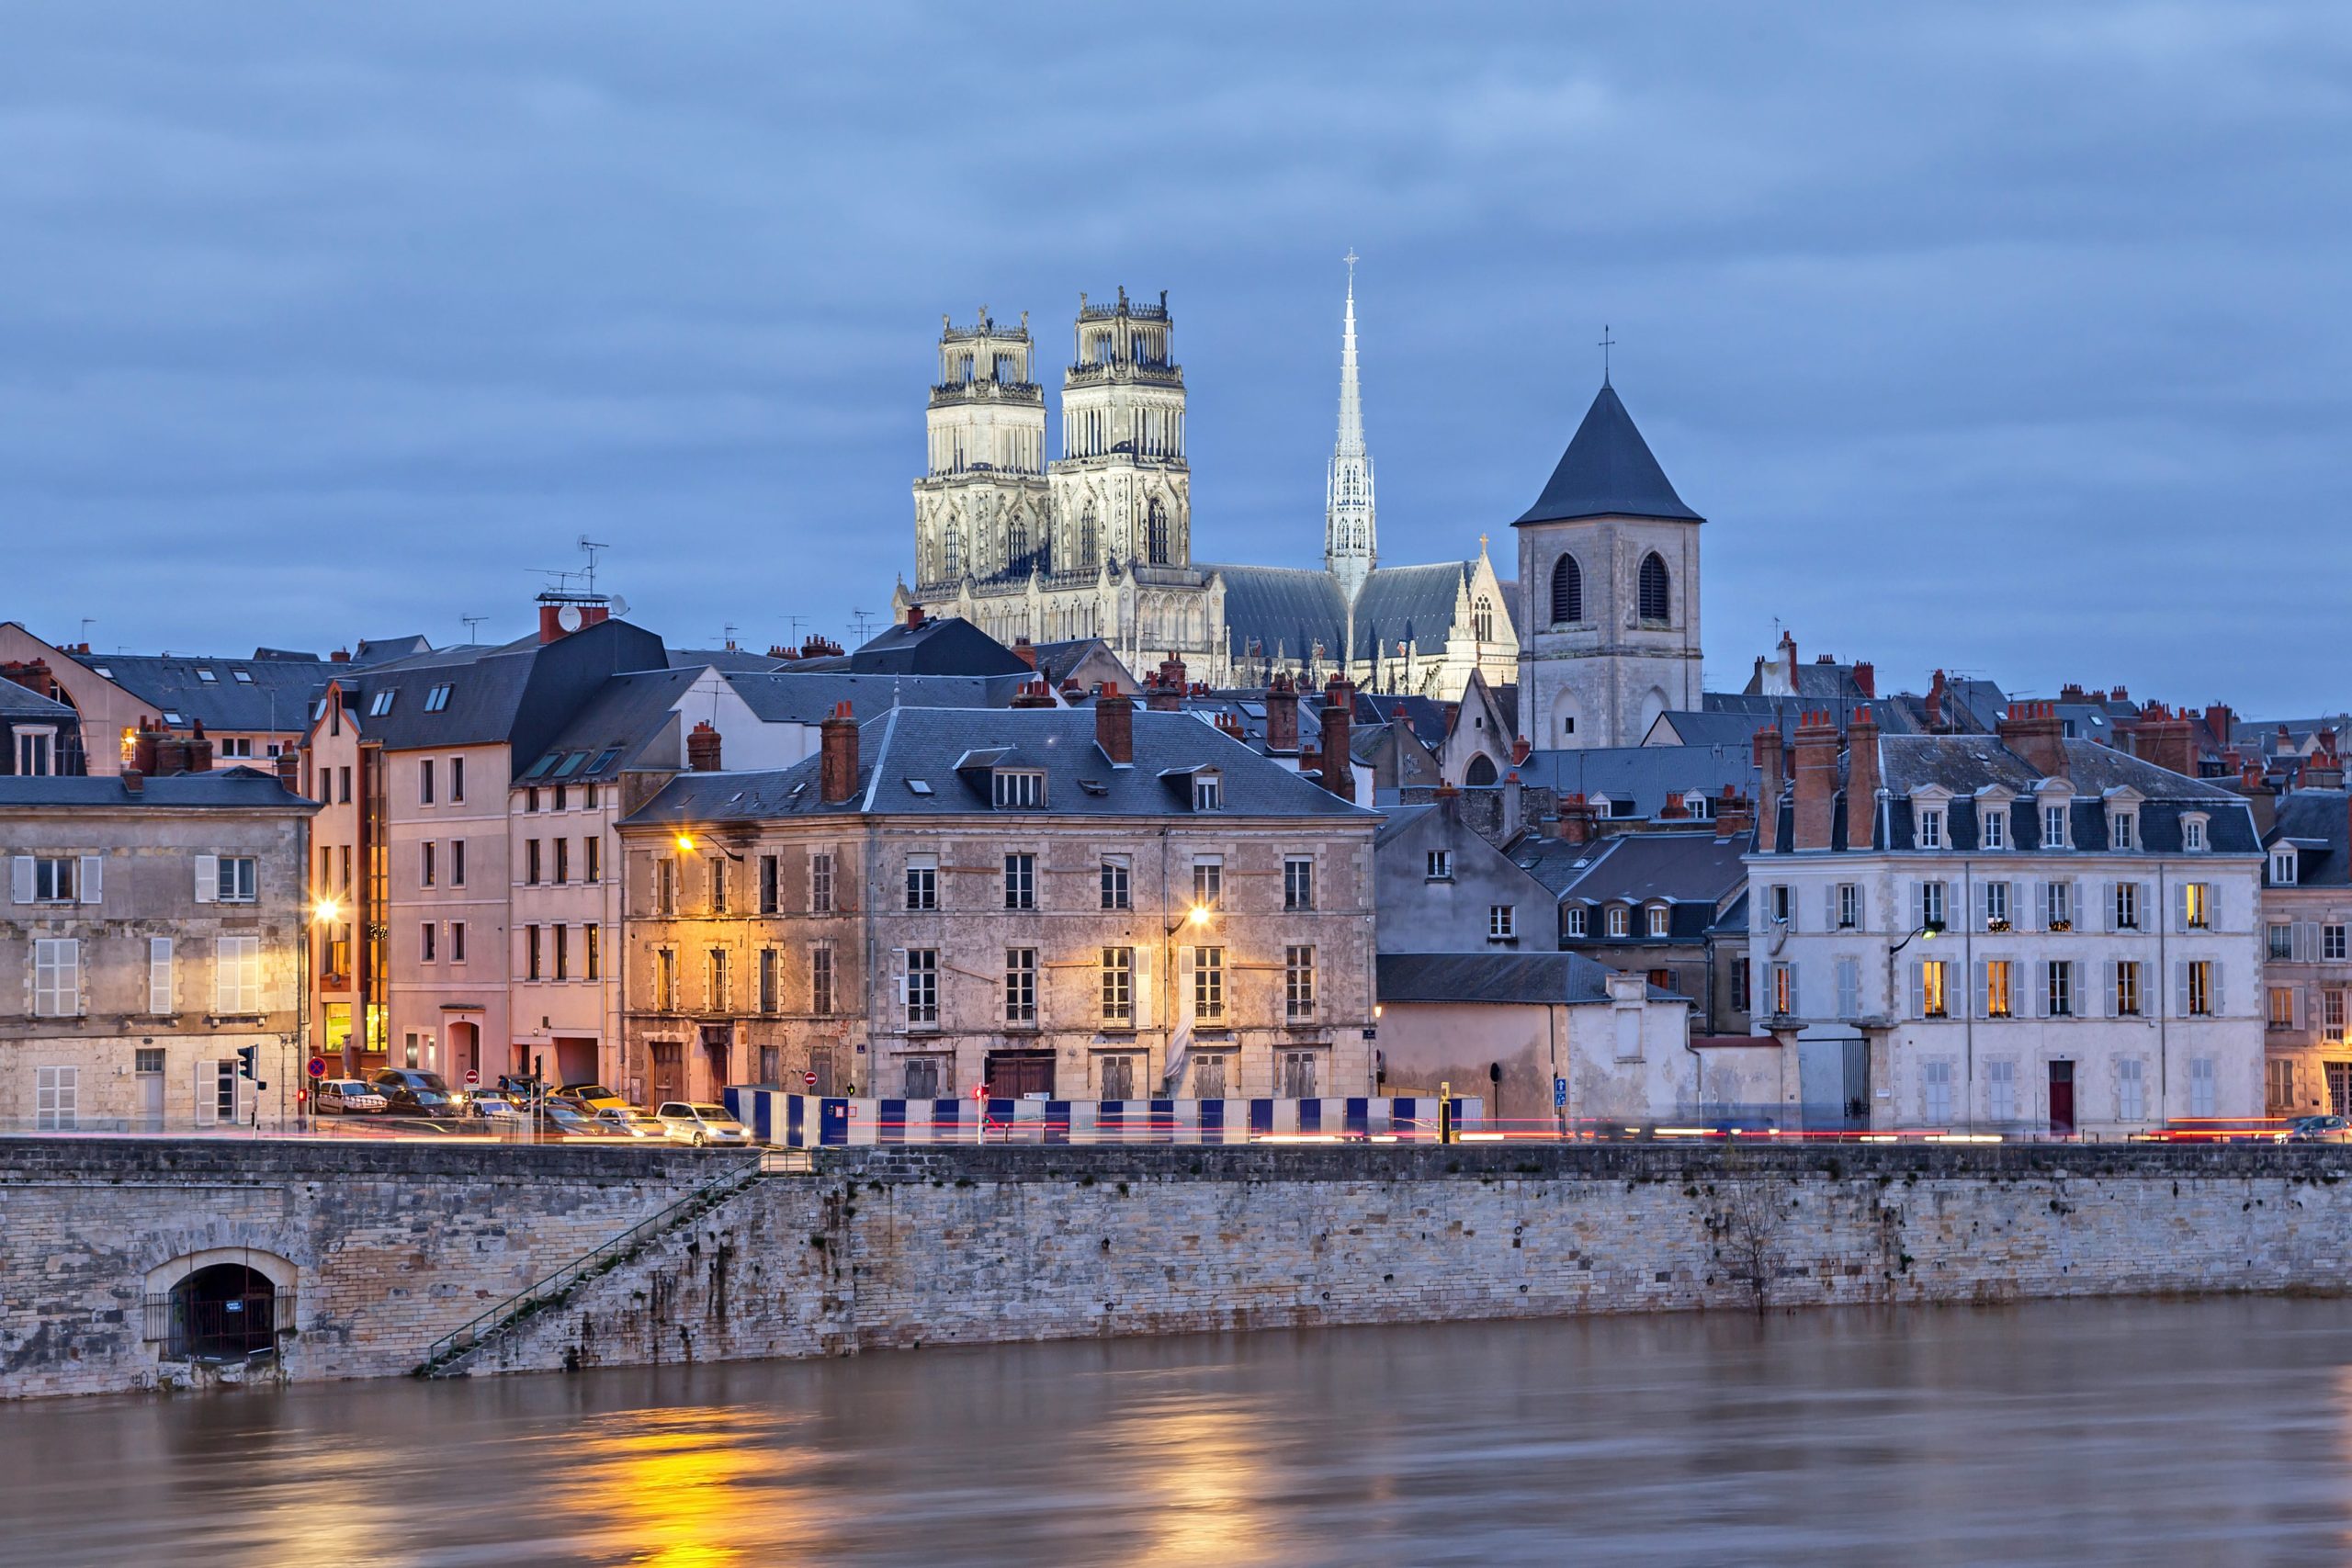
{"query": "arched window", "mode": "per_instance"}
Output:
(1016, 542)
(1087, 543)
(1480, 773)
(1567, 592)
(1657, 590)
(951, 551)
(1155, 534)
(1482, 619)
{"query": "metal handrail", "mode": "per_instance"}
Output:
(469, 1336)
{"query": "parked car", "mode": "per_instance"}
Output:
(592, 1097)
(346, 1097)
(409, 1091)
(701, 1124)
(2320, 1130)
(554, 1118)
(631, 1122)
(492, 1105)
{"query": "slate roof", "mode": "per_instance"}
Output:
(2313, 818)
(609, 732)
(1755, 709)
(222, 694)
(1412, 604)
(23, 703)
(945, 646)
(728, 659)
(1531, 978)
(1607, 471)
(790, 697)
(1424, 715)
(221, 789)
(1636, 868)
(1285, 611)
(1056, 661)
(1965, 764)
(1645, 774)
(907, 747)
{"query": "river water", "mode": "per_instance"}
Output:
(2213, 1431)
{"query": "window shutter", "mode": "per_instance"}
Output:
(94, 879)
(1983, 996)
(2113, 1002)
(1984, 905)
(2041, 990)
(208, 879)
(2180, 987)
(1919, 987)
(2180, 907)
(1141, 986)
(2220, 1005)
(2074, 910)
(1861, 906)
(159, 974)
(20, 879)
(2306, 941)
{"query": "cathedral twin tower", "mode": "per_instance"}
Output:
(1599, 634)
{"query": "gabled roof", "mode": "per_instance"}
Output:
(1607, 471)
(1644, 775)
(221, 789)
(229, 694)
(609, 732)
(522, 696)
(1411, 605)
(1685, 867)
(947, 645)
(2309, 816)
(730, 659)
(907, 767)
(23, 703)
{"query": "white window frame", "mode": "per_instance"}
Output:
(921, 988)
(1502, 922)
(2282, 866)
(2056, 825)
(2192, 832)
(1931, 834)
(1657, 921)
(236, 975)
(57, 976)
(161, 975)
(1439, 866)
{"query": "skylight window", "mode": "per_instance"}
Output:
(539, 769)
(383, 703)
(242, 677)
(571, 764)
(103, 672)
(437, 698)
(605, 758)
(171, 717)
(206, 676)
(919, 786)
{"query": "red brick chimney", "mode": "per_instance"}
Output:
(1935, 704)
(1576, 819)
(1769, 791)
(1339, 762)
(290, 769)
(343, 656)
(1861, 779)
(1866, 679)
(145, 748)
(1025, 651)
(1816, 780)
(1164, 693)
(2031, 731)
(133, 780)
(1281, 714)
(1114, 724)
(837, 756)
(1734, 815)
(551, 624)
(1521, 749)
(1037, 693)
(701, 748)
(199, 749)
(2165, 738)
(914, 616)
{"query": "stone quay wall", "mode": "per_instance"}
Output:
(896, 1249)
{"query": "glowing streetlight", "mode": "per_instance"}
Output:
(326, 909)
(686, 843)
(1200, 915)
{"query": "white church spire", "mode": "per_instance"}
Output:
(1350, 544)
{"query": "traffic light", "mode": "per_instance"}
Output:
(249, 1063)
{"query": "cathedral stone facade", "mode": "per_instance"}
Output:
(1098, 542)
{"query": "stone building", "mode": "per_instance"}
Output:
(154, 929)
(2307, 968)
(1098, 542)
(1609, 591)
(37, 734)
(1443, 888)
(1100, 903)
(2017, 930)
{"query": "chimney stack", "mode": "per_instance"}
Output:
(1338, 761)
(914, 616)
(290, 769)
(1861, 779)
(1114, 724)
(1816, 780)
(133, 780)
(1733, 815)
(1767, 793)
(1514, 805)
(1866, 679)
(1935, 704)
(1164, 693)
(2030, 729)
(1576, 819)
(702, 749)
(837, 756)
(551, 627)
(1281, 714)
(1025, 651)
(1037, 693)
(199, 749)
(340, 656)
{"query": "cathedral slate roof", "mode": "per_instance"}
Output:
(1607, 471)
(1284, 610)
(1407, 604)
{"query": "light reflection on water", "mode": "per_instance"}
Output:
(2145, 1432)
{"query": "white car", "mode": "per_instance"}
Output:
(701, 1124)
(348, 1096)
(635, 1124)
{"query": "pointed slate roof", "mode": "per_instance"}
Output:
(1607, 471)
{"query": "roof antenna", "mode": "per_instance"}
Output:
(589, 548)
(1607, 342)
(473, 626)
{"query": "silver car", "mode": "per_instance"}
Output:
(348, 1096)
(701, 1124)
(632, 1122)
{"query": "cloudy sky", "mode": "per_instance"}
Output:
(2005, 338)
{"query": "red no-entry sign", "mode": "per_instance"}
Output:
(809, 1079)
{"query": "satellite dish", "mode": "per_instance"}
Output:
(619, 606)
(568, 617)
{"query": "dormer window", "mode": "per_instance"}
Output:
(2123, 831)
(1019, 789)
(383, 704)
(2053, 825)
(1993, 818)
(1657, 915)
(1619, 920)
(2192, 832)
(2282, 866)
(1208, 791)
(1931, 827)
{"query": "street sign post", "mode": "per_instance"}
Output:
(473, 1077)
(318, 1067)
(809, 1079)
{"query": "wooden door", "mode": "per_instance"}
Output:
(668, 1070)
(2062, 1099)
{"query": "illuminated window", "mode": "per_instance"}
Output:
(1994, 982)
(1935, 982)
(1208, 984)
(2123, 990)
(2197, 906)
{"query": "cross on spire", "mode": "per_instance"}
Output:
(1607, 342)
